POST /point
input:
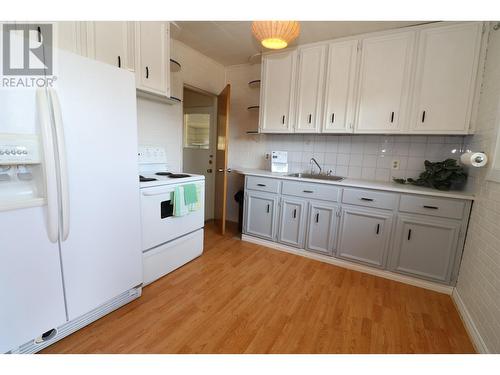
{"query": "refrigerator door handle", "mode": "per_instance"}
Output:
(49, 164)
(61, 155)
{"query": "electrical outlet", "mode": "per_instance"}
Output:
(267, 156)
(395, 164)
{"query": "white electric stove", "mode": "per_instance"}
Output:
(168, 241)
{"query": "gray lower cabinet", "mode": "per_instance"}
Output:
(292, 221)
(321, 227)
(260, 214)
(365, 235)
(425, 246)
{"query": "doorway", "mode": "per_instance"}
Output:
(199, 138)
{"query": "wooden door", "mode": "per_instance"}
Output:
(445, 80)
(277, 86)
(310, 87)
(221, 157)
(384, 83)
(339, 91)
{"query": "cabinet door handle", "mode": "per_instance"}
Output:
(294, 213)
(378, 228)
(268, 208)
(283, 119)
(333, 118)
(308, 191)
(309, 119)
(39, 35)
(409, 234)
(431, 207)
(147, 72)
(119, 62)
(423, 116)
(367, 199)
(317, 217)
(392, 117)
(261, 184)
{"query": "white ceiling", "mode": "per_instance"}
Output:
(232, 42)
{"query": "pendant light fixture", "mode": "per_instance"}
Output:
(275, 34)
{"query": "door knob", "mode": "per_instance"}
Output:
(220, 170)
(229, 170)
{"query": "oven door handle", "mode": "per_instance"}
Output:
(151, 194)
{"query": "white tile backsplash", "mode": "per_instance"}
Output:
(364, 156)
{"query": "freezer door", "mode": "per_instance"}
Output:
(31, 289)
(101, 255)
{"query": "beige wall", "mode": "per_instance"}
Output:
(478, 288)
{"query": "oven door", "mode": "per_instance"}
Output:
(158, 223)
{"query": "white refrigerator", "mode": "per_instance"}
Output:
(70, 246)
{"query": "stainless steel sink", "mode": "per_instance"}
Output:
(316, 176)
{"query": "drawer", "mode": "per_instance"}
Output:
(270, 185)
(370, 198)
(443, 207)
(313, 191)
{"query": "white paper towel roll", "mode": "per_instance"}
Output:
(474, 159)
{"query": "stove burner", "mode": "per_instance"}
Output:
(163, 173)
(146, 179)
(178, 175)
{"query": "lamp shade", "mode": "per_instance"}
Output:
(275, 34)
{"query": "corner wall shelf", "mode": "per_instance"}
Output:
(254, 84)
(175, 66)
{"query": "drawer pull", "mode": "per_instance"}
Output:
(294, 213)
(308, 191)
(431, 207)
(333, 118)
(283, 119)
(409, 234)
(423, 116)
(317, 217)
(268, 207)
(378, 228)
(119, 62)
(263, 185)
(367, 199)
(309, 119)
(147, 72)
(392, 117)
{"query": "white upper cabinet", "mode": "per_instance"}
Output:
(310, 88)
(152, 46)
(108, 42)
(339, 105)
(277, 92)
(70, 36)
(384, 83)
(445, 78)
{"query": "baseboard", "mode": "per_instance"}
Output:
(445, 289)
(469, 324)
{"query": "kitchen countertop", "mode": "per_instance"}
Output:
(366, 184)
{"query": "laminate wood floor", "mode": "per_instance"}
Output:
(245, 298)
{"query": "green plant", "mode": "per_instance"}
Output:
(441, 175)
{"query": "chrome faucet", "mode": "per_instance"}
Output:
(317, 164)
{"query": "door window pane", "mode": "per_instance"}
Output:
(197, 130)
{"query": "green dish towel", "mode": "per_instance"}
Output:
(190, 194)
(180, 208)
(196, 206)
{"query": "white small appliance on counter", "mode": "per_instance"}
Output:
(168, 241)
(279, 161)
